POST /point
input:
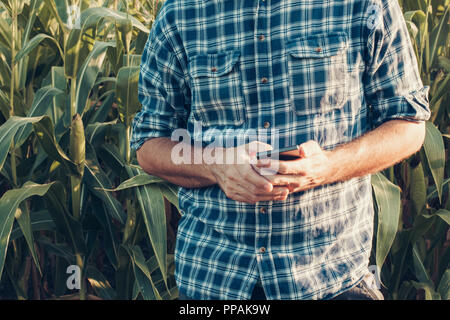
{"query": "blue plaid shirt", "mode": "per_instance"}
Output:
(318, 70)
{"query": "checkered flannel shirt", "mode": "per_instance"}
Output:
(318, 70)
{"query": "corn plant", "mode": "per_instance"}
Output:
(71, 192)
(65, 138)
(412, 198)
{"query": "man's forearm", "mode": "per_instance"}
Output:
(378, 149)
(239, 181)
(155, 158)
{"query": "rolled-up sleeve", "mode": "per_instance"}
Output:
(392, 84)
(162, 89)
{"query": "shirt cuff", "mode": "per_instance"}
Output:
(413, 106)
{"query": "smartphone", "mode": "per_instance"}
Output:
(288, 153)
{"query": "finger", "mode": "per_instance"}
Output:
(250, 191)
(283, 180)
(253, 178)
(309, 148)
(278, 191)
(273, 198)
(280, 194)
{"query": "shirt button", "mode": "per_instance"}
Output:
(262, 37)
(262, 249)
(213, 69)
(263, 210)
(264, 80)
(266, 124)
(318, 49)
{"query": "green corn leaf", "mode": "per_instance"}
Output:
(99, 283)
(76, 51)
(87, 74)
(41, 103)
(170, 192)
(95, 132)
(61, 250)
(43, 128)
(443, 88)
(132, 60)
(33, 43)
(66, 225)
(24, 221)
(46, 136)
(58, 10)
(102, 112)
(97, 181)
(444, 285)
(444, 63)
(430, 293)
(419, 269)
(34, 7)
(5, 33)
(9, 204)
(151, 202)
(39, 220)
(127, 93)
(112, 157)
(433, 191)
(425, 283)
(110, 237)
(137, 181)
(42, 100)
(142, 274)
(439, 35)
(441, 213)
(136, 291)
(5, 105)
(7, 133)
(93, 17)
(387, 197)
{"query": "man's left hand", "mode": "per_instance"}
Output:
(314, 168)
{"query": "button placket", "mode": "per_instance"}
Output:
(262, 63)
(262, 66)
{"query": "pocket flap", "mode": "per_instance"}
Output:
(318, 45)
(213, 64)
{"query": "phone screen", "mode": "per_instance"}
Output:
(288, 153)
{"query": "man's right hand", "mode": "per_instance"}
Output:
(237, 178)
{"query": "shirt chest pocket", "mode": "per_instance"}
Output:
(317, 71)
(216, 88)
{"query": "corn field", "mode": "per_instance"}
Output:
(72, 194)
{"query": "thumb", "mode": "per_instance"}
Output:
(309, 148)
